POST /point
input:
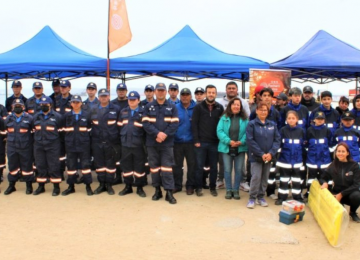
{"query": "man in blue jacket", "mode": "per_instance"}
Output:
(184, 144)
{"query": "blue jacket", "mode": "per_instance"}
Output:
(32, 105)
(184, 131)
(274, 116)
(19, 134)
(262, 138)
(302, 112)
(319, 141)
(132, 132)
(222, 131)
(351, 137)
(332, 117)
(292, 146)
(47, 128)
(77, 132)
(356, 114)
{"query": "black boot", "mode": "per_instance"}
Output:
(140, 192)
(354, 217)
(40, 189)
(127, 190)
(158, 194)
(56, 190)
(89, 191)
(169, 197)
(118, 179)
(11, 188)
(101, 188)
(110, 189)
(69, 190)
(29, 187)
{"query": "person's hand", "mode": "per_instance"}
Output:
(238, 143)
(325, 185)
(161, 136)
(338, 196)
(268, 157)
(197, 144)
(264, 157)
(233, 143)
(159, 140)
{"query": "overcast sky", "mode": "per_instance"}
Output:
(264, 29)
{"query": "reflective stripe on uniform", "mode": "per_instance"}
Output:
(55, 180)
(138, 175)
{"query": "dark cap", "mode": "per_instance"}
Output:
(37, 84)
(121, 86)
(149, 87)
(16, 83)
(76, 98)
(325, 94)
(103, 92)
(185, 91)
(199, 89)
(45, 100)
(319, 115)
(173, 86)
(18, 101)
(282, 96)
(295, 91)
(347, 116)
(308, 89)
(133, 95)
(91, 85)
(55, 82)
(65, 84)
(160, 86)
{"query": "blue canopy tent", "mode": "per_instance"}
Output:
(323, 59)
(186, 57)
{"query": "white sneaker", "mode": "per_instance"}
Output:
(273, 196)
(220, 184)
(244, 186)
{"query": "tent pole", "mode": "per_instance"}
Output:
(242, 86)
(6, 85)
(123, 78)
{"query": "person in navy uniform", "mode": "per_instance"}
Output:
(47, 127)
(77, 127)
(160, 121)
(32, 105)
(149, 94)
(173, 93)
(92, 101)
(19, 146)
(132, 142)
(16, 87)
(3, 114)
(56, 88)
(105, 141)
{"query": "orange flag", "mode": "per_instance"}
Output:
(119, 29)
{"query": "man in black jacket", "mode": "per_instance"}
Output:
(308, 99)
(205, 118)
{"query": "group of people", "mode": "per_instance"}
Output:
(129, 138)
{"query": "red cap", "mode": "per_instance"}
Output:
(258, 89)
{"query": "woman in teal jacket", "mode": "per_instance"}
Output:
(231, 131)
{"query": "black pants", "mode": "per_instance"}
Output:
(2, 154)
(181, 151)
(105, 161)
(20, 160)
(133, 161)
(287, 175)
(313, 174)
(47, 162)
(353, 200)
(72, 161)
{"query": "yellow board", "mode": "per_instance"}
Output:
(331, 216)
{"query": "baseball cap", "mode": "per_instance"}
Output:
(37, 84)
(325, 94)
(319, 115)
(160, 86)
(91, 85)
(151, 87)
(199, 89)
(282, 96)
(76, 98)
(103, 92)
(121, 86)
(173, 86)
(16, 83)
(258, 89)
(308, 89)
(185, 91)
(18, 101)
(45, 100)
(55, 82)
(295, 91)
(65, 83)
(133, 95)
(347, 116)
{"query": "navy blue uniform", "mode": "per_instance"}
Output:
(351, 137)
(161, 118)
(332, 117)
(3, 114)
(10, 100)
(32, 105)
(88, 105)
(356, 114)
(47, 146)
(77, 129)
(302, 112)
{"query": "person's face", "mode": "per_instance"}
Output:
(347, 123)
(173, 93)
(91, 92)
(280, 102)
(104, 100)
(17, 106)
(160, 94)
(326, 101)
(308, 95)
(235, 107)
(341, 153)
(185, 99)
(199, 96)
(357, 103)
(149, 94)
(343, 105)
(291, 120)
(267, 98)
(64, 90)
(133, 103)
(76, 105)
(46, 105)
(38, 91)
(56, 89)
(17, 90)
(231, 91)
(121, 93)
(211, 94)
(319, 121)
(296, 99)
(262, 112)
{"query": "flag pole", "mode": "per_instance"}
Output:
(108, 54)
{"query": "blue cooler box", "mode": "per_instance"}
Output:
(287, 218)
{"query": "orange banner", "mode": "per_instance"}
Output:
(119, 28)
